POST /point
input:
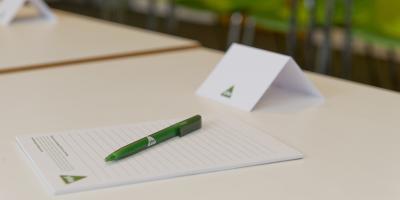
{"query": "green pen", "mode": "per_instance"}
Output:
(179, 129)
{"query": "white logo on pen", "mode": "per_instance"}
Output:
(151, 140)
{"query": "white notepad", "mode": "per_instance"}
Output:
(73, 161)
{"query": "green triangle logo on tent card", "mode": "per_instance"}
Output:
(228, 93)
(68, 179)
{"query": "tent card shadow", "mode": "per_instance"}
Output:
(281, 100)
(29, 15)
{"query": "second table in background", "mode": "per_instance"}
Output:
(34, 43)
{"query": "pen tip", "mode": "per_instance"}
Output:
(110, 158)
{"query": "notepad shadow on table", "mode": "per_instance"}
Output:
(73, 161)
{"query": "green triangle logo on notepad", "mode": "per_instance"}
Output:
(71, 179)
(228, 93)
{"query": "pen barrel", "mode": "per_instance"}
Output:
(131, 148)
(146, 142)
(179, 129)
(163, 135)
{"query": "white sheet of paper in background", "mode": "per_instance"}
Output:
(9, 10)
(244, 75)
(73, 161)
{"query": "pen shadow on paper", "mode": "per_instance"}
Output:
(279, 100)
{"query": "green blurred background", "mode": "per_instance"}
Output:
(357, 40)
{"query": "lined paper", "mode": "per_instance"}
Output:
(73, 161)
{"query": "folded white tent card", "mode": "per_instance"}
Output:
(245, 74)
(9, 10)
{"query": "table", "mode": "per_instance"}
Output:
(37, 43)
(351, 142)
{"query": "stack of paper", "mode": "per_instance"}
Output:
(73, 161)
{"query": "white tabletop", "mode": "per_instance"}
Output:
(32, 43)
(351, 142)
